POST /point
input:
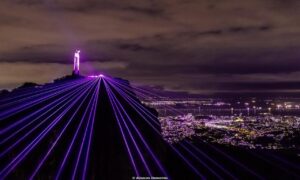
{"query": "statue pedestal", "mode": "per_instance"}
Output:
(75, 73)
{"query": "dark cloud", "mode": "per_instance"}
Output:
(230, 30)
(181, 45)
(152, 11)
(136, 47)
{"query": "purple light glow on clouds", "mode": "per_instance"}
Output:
(195, 46)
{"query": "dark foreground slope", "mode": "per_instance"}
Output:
(108, 154)
(108, 158)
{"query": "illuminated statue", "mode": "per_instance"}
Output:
(76, 62)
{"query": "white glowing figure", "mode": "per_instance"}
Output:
(76, 62)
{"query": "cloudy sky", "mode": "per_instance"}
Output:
(197, 46)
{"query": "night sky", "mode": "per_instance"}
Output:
(197, 46)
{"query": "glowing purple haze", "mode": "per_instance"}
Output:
(97, 76)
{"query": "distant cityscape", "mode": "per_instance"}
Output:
(249, 123)
(251, 106)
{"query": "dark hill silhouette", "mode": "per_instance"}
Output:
(108, 156)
